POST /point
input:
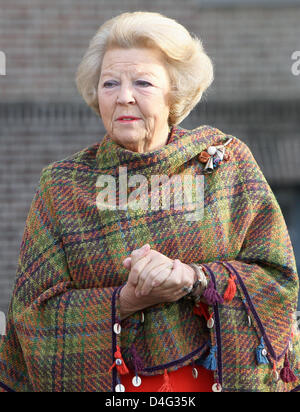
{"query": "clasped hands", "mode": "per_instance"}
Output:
(153, 278)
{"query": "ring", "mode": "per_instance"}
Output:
(187, 289)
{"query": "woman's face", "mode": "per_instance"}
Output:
(135, 83)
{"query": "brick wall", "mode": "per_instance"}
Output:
(44, 42)
(42, 117)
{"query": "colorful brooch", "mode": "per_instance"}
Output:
(214, 156)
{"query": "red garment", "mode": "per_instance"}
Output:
(181, 380)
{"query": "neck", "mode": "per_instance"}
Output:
(148, 144)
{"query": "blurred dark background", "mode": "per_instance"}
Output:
(255, 95)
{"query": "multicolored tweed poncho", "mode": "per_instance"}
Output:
(63, 324)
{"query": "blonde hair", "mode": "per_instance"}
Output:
(189, 67)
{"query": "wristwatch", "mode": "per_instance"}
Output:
(200, 285)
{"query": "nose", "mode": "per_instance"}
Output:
(125, 95)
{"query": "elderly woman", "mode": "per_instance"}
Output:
(116, 290)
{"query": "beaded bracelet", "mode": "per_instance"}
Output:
(200, 282)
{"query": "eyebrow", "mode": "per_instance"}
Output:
(111, 73)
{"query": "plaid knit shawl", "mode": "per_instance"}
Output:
(60, 323)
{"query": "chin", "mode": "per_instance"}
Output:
(127, 137)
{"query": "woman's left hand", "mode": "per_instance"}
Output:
(159, 274)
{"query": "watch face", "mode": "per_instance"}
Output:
(195, 284)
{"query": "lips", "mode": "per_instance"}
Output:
(128, 118)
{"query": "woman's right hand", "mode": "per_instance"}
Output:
(129, 301)
(170, 276)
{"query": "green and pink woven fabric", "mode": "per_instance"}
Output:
(64, 306)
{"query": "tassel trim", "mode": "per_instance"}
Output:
(119, 363)
(200, 310)
(231, 289)
(166, 386)
(286, 374)
(211, 296)
(210, 362)
(261, 353)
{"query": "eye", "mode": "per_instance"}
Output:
(143, 83)
(109, 84)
